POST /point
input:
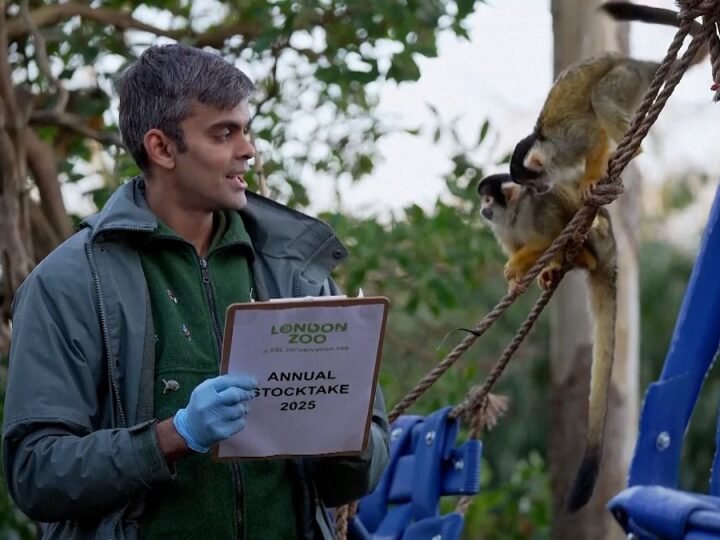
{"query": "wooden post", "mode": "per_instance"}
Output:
(580, 30)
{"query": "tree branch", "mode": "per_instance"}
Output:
(43, 165)
(12, 118)
(123, 20)
(8, 164)
(76, 124)
(7, 92)
(215, 37)
(41, 57)
(45, 237)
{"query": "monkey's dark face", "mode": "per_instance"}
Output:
(498, 193)
(528, 164)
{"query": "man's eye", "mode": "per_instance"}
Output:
(224, 134)
(246, 130)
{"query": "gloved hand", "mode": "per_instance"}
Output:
(216, 410)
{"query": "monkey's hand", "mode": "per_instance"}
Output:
(588, 183)
(510, 271)
(549, 275)
(512, 285)
(512, 274)
(586, 187)
(520, 262)
(595, 165)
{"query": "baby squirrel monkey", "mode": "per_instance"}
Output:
(588, 110)
(525, 224)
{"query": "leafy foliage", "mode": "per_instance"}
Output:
(318, 66)
(407, 258)
(518, 508)
(442, 270)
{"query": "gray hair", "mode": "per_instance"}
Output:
(157, 92)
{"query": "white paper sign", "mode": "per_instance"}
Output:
(316, 362)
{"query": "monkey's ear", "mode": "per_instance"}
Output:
(511, 191)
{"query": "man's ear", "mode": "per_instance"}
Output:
(160, 149)
(511, 191)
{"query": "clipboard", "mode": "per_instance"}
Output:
(316, 360)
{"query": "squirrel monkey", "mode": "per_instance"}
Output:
(525, 224)
(587, 111)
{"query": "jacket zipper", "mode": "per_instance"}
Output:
(218, 338)
(237, 477)
(106, 340)
(211, 302)
(106, 337)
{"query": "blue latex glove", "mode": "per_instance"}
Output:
(216, 410)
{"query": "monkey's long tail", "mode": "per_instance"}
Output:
(603, 302)
(626, 11)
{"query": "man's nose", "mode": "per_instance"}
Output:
(246, 148)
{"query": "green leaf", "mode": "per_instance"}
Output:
(404, 68)
(483, 131)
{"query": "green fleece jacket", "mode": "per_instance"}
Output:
(189, 296)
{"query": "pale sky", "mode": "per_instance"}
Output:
(502, 74)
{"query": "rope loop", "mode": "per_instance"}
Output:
(602, 193)
(692, 9)
(709, 10)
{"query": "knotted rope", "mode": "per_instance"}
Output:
(709, 10)
(479, 402)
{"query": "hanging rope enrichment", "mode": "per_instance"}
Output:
(480, 405)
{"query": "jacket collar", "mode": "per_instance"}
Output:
(275, 229)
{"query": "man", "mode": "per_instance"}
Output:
(114, 397)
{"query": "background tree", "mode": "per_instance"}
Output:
(580, 30)
(317, 65)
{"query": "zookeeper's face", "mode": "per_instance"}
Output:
(210, 173)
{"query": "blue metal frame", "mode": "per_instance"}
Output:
(652, 506)
(424, 465)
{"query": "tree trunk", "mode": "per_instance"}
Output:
(15, 257)
(581, 31)
(29, 229)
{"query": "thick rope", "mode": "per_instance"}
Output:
(342, 515)
(604, 192)
(709, 11)
(714, 48)
(478, 400)
(715, 59)
(644, 118)
(429, 379)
